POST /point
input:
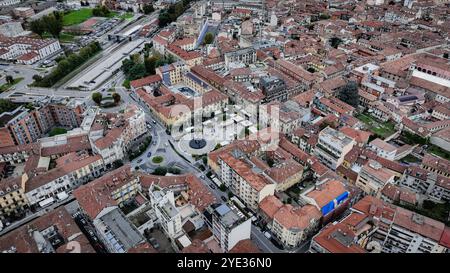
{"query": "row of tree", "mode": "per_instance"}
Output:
(67, 65)
(51, 23)
(169, 15)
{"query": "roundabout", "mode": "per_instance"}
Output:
(194, 144)
(157, 160)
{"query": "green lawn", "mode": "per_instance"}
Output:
(126, 84)
(63, 37)
(6, 86)
(57, 131)
(439, 152)
(411, 159)
(383, 130)
(127, 15)
(157, 159)
(77, 16)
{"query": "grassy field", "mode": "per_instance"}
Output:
(77, 16)
(411, 159)
(6, 86)
(63, 37)
(57, 131)
(382, 129)
(127, 15)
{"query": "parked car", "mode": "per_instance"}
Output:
(212, 186)
(149, 154)
(224, 199)
(139, 160)
(154, 243)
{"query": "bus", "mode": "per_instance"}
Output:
(217, 181)
(47, 202)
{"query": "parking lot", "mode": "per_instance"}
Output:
(159, 241)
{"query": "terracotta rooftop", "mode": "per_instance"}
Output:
(22, 240)
(97, 195)
(327, 192)
(245, 246)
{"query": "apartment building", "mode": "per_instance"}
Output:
(373, 177)
(23, 12)
(274, 88)
(332, 147)
(375, 226)
(163, 203)
(116, 232)
(330, 197)
(9, 2)
(427, 183)
(229, 225)
(12, 196)
(238, 175)
(383, 149)
(243, 55)
(291, 225)
(436, 164)
(24, 126)
(403, 231)
(112, 135)
(112, 189)
(172, 74)
(70, 172)
(53, 232)
(27, 50)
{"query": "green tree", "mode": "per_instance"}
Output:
(311, 70)
(97, 97)
(137, 72)
(101, 11)
(209, 38)
(52, 25)
(37, 27)
(150, 65)
(174, 170)
(160, 171)
(335, 42)
(37, 78)
(148, 8)
(349, 94)
(446, 55)
(324, 16)
(116, 98)
(7, 106)
(9, 79)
